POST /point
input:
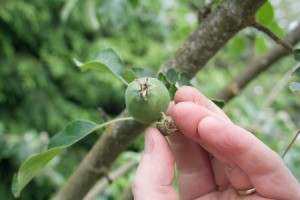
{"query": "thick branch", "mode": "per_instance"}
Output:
(215, 30)
(258, 66)
(203, 43)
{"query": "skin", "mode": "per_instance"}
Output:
(213, 157)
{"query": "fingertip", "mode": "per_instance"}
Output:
(171, 106)
(191, 94)
(209, 124)
(156, 143)
(185, 93)
(156, 168)
(187, 116)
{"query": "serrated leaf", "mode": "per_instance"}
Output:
(172, 76)
(219, 103)
(296, 72)
(172, 90)
(162, 77)
(184, 80)
(106, 61)
(265, 14)
(295, 88)
(297, 54)
(71, 134)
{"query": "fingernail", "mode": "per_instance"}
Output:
(148, 141)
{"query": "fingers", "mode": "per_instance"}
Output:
(195, 177)
(193, 166)
(238, 149)
(202, 170)
(187, 116)
(190, 94)
(155, 174)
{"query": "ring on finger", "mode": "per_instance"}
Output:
(246, 192)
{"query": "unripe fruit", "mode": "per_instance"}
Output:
(146, 98)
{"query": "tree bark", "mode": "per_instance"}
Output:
(215, 30)
(258, 66)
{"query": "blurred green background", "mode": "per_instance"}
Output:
(41, 89)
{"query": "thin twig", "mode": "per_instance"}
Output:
(279, 86)
(101, 185)
(291, 143)
(274, 37)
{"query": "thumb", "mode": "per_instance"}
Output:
(155, 174)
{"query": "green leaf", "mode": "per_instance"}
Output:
(219, 103)
(67, 9)
(295, 88)
(297, 54)
(134, 3)
(30, 168)
(141, 72)
(184, 80)
(72, 133)
(172, 81)
(90, 15)
(162, 77)
(236, 47)
(172, 90)
(172, 76)
(275, 28)
(265, 14)
(106, 61)
(260, 45)
(136, 72)
(128, 75)
(296, 72)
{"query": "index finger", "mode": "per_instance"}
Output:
(191, 94)
(233, 145)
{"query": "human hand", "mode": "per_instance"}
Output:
(214, 158)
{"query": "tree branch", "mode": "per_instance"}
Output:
(115, 139)
(258, 66)
(274, 37)
(101, 185)
(215, 30)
